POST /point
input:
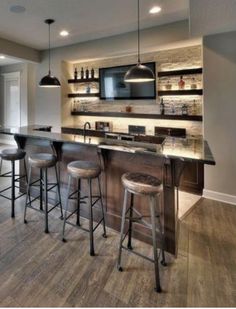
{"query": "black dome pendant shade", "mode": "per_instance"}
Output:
(49, 81)
(139, 73)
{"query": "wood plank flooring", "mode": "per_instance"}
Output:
(39, 270)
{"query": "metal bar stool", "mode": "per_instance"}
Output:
(12, 155)
(88, 171)
(43, 161)
(151, 187)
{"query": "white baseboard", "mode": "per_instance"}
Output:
(221, 197)
(8, 142)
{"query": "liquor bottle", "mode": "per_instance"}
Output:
(87, 73)
(181, 83)
(75, 73)
(184, 110)
(194, 109)
(82, 73)
(92, 73)
(162, 107)
(193, 84)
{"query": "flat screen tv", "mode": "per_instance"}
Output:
(113, 86)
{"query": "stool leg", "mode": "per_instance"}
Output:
(103, 212)
(67, 203)
(154, 240)
(27, 194)
(41, 189)
(122, 230)
(0, 166)
(45, 180)
(13, 197)
(129, 245)
(91, 218)
(59, 191)
(78, 203)
(163, 258)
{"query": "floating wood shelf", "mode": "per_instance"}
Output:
(135, 115)
(83, 95)
(180, 72)
(180, 92)
(83, 80)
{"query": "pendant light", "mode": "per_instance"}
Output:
(49, 81)
(139, 73)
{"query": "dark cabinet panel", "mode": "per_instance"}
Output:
(192, 179)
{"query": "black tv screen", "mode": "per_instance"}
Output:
(113, 86)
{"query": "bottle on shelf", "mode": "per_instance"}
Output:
(74, 106)
(181, 83)
(87, 73)
(92, 73)
(172, 108)
(82, 73)
(184, 110)
(162, 107)
(193, 83)
(194, 109)
(75, 73)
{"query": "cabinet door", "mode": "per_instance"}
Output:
(192, 179)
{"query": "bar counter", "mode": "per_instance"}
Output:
(165, 160)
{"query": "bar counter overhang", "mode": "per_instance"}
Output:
(116, 158)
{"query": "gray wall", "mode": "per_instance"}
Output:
(219, 62)
(27, 90)
(48, 101)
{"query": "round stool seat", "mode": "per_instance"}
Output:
(83, 169)
(42, 160)
(12, 154)
(142, 183)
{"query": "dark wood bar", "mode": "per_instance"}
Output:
(116, 158)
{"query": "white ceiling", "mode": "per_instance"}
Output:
(84, 19)
(212, 16)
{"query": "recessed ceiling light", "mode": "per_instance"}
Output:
(64, 33)
(155, 10)
(2, 57)
(17, 9)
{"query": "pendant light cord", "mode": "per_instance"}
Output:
(139, 33)
(49, 49)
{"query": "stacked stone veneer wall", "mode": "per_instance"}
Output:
(174, 59)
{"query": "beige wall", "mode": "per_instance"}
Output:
(219, 61)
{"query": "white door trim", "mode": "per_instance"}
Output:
(9, 77)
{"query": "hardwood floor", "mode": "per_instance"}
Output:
(39, 270)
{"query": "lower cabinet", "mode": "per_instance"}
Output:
(192, 179)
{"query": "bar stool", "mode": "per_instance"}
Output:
(12, 155)
(84, 170)
(43, 161)
(151, 187)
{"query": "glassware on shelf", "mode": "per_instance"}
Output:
(181, 83)
(184, 110)
(88, 89)
(168, 85)
(193, 83)
(194, 108)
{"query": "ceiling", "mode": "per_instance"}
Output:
(84, 19)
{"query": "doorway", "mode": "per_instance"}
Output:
(12, 102)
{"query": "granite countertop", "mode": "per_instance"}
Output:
(186, 149)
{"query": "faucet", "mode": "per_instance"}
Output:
(85, 125)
